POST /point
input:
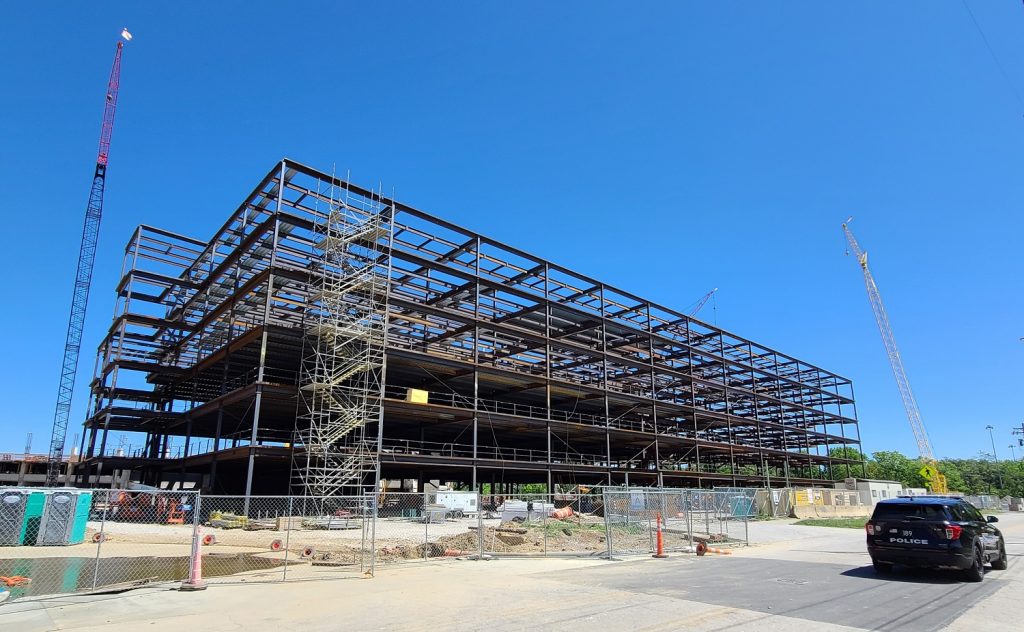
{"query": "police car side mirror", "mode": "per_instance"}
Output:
(991, 519)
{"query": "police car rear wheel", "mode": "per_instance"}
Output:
(976, 572)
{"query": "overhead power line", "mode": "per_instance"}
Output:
(995, 58)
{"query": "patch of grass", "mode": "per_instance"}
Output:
(843, 523)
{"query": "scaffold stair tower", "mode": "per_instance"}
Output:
(342, 369)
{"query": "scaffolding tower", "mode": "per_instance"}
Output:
(341, 377)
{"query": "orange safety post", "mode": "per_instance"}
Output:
(661, 542)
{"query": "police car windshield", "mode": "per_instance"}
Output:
(910, 511)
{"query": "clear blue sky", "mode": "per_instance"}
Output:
(666, 149)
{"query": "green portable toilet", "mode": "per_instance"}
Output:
(82, 510)
(33, 516)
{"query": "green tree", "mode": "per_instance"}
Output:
(893, 466)
(839, 470)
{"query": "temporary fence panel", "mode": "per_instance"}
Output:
(686, 516)
(275, 538)
(428, 525)
(142, 535)
(567, 524)
(79, 540)
(770, 503)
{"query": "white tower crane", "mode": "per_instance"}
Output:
(930, 472)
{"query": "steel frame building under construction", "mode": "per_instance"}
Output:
(328, 337)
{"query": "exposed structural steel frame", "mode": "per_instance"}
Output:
(479, 363)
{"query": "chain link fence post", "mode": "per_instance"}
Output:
(366, 525)
(374, 515)
(196, 543)
(426, 526)
(287, 536)
(688, 496)
(99, 539)
(480, 525)
(707, 513)
(607, 521)
(544, 522)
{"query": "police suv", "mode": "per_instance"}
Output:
(934, 532)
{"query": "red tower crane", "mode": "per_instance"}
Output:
(83, 275)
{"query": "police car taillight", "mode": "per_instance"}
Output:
(870, 528)
(953, 532)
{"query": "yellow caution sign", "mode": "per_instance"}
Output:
(928, 472)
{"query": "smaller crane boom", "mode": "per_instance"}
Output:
(702, 302)
(924, 447)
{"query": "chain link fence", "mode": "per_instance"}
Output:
(772, 503)
(526, 525)
(424, 526)
(277, 538)
(687, 517)
(58, 541)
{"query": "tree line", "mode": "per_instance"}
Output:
(970, 476)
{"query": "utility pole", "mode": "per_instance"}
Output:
(1020, 433)
(990, 428)
(995, 459)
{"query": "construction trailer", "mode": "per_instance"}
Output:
(874, 490)
(328, 338)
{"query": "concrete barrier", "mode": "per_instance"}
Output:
(830, 511)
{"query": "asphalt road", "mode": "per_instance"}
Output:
(819, 574)
(910, 601)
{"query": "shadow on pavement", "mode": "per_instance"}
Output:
(910, 575)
